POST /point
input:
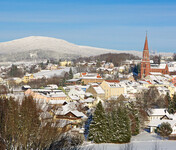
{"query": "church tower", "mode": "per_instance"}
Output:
(145, 64)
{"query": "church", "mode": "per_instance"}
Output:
(151, 69)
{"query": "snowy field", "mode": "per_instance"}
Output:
(51, 73)
(143, 141)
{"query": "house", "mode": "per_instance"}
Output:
(44, 95)
(27, 78)
(156, 123)
(90, 102)
(87, 78)
(76, 91)
(158, 116)
(65, 63)
(25, 87)
(73, 81)
(57, 102)
(96, 91)
(157, 113)
(172, 67)
(69, 112)
(112, 89)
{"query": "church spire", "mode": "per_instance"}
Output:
(145, 64)
(146, 43)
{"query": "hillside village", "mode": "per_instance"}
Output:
(69, 93)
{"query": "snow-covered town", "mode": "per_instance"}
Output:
(94, 102)
(87, 75)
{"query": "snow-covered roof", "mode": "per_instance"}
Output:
(143, 82)
(57, 102)
(51, 73)
(156, 66)
(99, 90)
(172, 69)
(78, 114)
(26, 86)
(88, 94)
(155, 73)
(58, 94)
(157, 122)
(74, 97)
(158, 112)
(74, 80)
(88, 100)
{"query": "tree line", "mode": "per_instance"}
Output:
(21, 127)
(116, 59)
(115, 126)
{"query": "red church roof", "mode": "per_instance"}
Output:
(117, 81)
(146, 44)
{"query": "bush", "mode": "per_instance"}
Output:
(164, 129)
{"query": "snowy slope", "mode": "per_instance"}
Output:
(49, 44)
(52, 44)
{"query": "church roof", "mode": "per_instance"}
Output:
(146, 43)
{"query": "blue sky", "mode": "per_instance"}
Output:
(113, 24)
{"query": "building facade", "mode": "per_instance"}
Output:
(146, 67)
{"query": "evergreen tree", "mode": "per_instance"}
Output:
(15, 72)
(70, 73)
(98, 125)
(172, 105)
(167, 100)
(164, 129)
(98, 64)
(124, 132)
(134, 119)
(174, 101)
(114, 128)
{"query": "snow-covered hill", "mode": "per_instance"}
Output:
(57, 47)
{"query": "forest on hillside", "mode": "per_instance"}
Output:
(116, 59)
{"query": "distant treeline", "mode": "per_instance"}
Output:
(116, 59)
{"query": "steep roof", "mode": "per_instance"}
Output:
(146, 43)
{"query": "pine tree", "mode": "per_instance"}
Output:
(167, 100)
(70, 73)
(134, 119)
(98, 125)
(113, 126)
(124, 132)
(172, 105)
(164, 129)
(174, 101)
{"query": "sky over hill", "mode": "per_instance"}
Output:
(111, 24)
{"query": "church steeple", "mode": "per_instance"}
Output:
(145, 64)
(146, 43)
(146, 50)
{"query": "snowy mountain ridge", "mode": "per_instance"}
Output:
(54, 45)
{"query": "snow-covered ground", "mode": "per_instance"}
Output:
(51, 73)
(143, 141)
